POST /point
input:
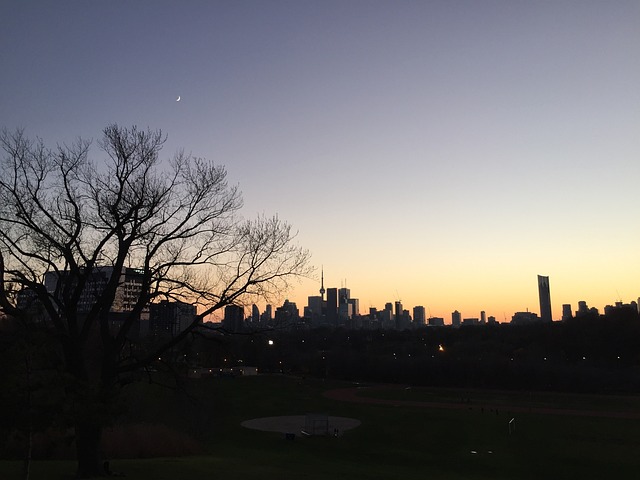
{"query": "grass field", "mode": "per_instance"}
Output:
(614, 404)
(400, 442)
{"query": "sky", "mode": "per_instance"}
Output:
(441, 153)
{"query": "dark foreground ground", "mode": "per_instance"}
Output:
(406, 433)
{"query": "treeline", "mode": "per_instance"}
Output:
(595, 354)
(600, 354)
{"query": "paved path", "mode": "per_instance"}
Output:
(358, 395)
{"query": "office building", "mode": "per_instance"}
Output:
(545, 298)
(233, 320)
(387, 317)
(255, 314)
(314, 309)
(344, 308)
(436, 322)
(127, 294)
(287, 315)
(523, 318)
(170, 318)
(267, 315)
(355, 307)
(128, 289)
(388, 307)
(398, 308)
(332, 306)
(583, 309)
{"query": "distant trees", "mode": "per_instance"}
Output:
(64, 216)
(587, 355)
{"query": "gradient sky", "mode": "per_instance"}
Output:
(439, 152)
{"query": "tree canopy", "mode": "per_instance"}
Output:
(66, 216)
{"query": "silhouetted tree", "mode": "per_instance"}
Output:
(64, 216)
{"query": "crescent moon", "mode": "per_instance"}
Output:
(178, 99)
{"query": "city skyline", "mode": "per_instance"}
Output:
(500, 317)
(439, 153)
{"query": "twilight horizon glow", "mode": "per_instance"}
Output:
(440, 153)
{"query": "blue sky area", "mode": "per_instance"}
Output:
(439, 152)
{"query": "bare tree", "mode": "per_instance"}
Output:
(64, 217)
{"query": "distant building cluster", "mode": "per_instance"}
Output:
(339, 309)
(169, 318)
(163, 319)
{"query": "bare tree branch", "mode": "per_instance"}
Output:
(72, 227)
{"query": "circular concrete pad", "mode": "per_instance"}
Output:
(296, 423)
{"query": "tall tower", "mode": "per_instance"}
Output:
(322, 290)
(344, 295)
(545, 298)
(456, 318)
(399, 309)
(332, 306)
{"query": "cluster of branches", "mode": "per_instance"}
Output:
(62, 213)
(65, 215)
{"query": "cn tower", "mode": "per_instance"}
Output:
(322, 290)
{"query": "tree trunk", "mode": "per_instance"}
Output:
(26, 465)
(88, 443)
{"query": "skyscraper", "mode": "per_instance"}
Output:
(233, 320)
(344, 312)
(583, 309)
(267, 315)
(545, 299)
(456, 318)
(170, 318)
(355, 307)
(398, 309)
(332, 306)
(314, 309)
(388, 307)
